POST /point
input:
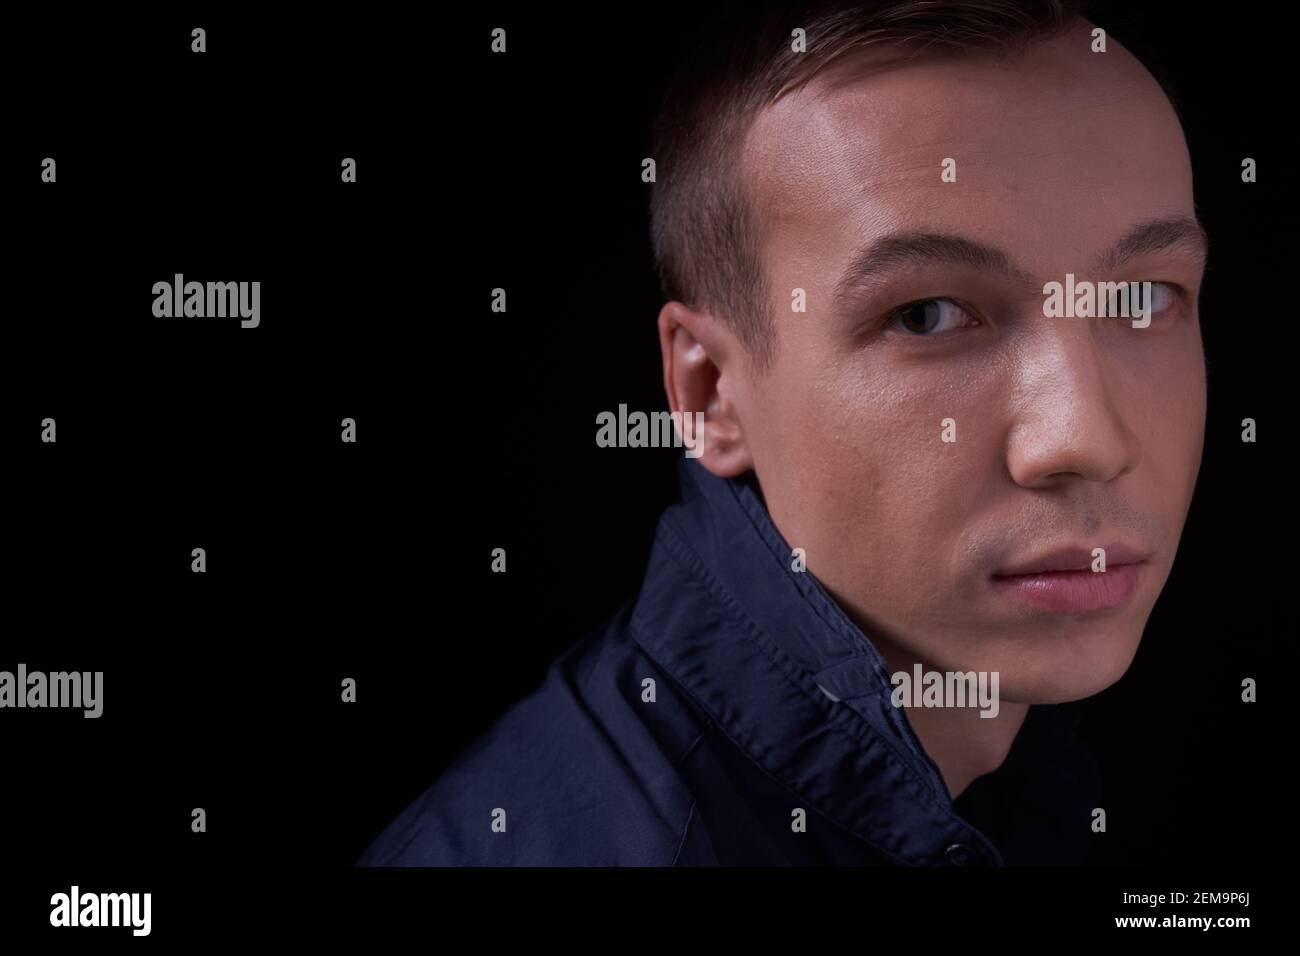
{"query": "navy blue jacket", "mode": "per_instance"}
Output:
(766, 700)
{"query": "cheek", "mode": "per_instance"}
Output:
(869, 477)
(1167, 397)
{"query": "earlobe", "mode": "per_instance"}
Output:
(700, 365)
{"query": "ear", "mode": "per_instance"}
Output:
(704, 369)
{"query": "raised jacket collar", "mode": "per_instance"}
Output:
(790, 679)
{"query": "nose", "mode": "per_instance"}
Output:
(1071, 422)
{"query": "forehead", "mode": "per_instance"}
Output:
(1057, 150)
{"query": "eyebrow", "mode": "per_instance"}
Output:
(1157, 235)
(902, 249)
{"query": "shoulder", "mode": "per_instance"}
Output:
(581, 772)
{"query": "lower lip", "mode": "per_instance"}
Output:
(1072, 592)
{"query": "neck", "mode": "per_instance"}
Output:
(963, 744)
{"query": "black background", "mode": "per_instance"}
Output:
(475, 431)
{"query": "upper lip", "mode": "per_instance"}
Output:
(1074, 558)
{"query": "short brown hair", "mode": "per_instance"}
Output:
(703, 226)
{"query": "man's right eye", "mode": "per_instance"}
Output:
(931, 316)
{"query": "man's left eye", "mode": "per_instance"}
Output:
(1163, 296)
(929, 316)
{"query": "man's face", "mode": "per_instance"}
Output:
(1070, 433)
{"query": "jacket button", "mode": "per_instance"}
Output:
(959, 855)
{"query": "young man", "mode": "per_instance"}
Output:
(914, 463)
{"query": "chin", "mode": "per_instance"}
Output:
(1085, 667)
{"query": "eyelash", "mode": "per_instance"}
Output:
(894, 314)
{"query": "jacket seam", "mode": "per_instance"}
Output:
(677, 764)
(686, 829)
